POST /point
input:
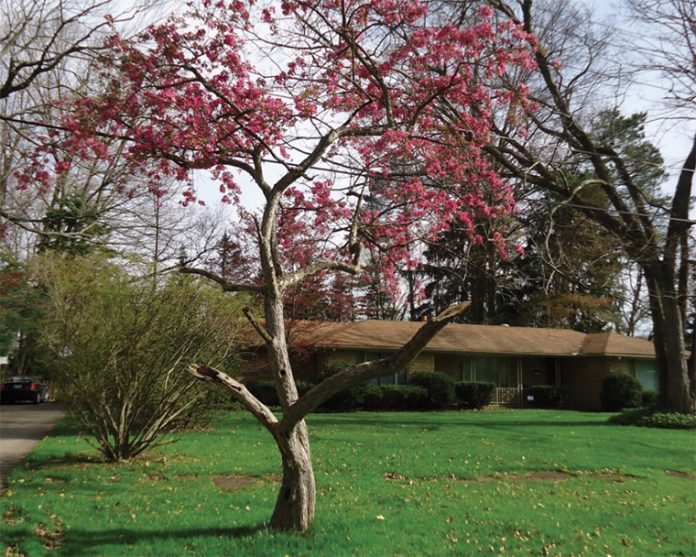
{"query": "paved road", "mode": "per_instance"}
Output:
(21, 427)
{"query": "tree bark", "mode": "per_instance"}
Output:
(295, 505)
(674, 381)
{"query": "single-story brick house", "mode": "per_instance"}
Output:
(511, 357)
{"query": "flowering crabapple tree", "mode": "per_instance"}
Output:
(361, 124)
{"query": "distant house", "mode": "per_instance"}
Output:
(511, 357)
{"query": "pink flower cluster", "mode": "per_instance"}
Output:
(414, 99)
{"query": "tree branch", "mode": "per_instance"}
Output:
(263, 333)
(369, 370)
(679, 212)
(318, 267)
(239, 392)
(226, 285)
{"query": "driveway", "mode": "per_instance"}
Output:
(22, 426)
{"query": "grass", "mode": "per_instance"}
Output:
(389, 484)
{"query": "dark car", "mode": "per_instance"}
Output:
(17, 389)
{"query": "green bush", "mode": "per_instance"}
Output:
(120, 345)
(474, 394)
(396, 397)
(649, 398)
(543, 396)
(620, 390)
(439, 386)
(264, 391)
(650, 417)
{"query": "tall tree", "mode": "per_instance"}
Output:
(562, 139)
(355, 87)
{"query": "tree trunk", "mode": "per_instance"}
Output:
(294, 509)
(670, 349)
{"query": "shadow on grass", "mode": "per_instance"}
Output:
(79, 542)
(434, 424)
(87, 542)
(37, 462)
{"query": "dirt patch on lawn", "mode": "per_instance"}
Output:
(56, 480)
(537, 476)
(681, 474)
(235, 482)
(562, 475)
(534, 476)
(543, 476)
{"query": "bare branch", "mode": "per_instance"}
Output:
(370, 370)
(226, 286)
(318, 267)
(239, 392)
(263, 333)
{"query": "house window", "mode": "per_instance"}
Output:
(501, 371)
(647, 374)
(466, 366)
(486, 369)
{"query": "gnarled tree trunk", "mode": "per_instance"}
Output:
(294, 508)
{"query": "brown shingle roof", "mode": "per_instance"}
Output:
(613, 344)
(373, 335)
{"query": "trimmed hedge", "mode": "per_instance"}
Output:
(544, 396)
(440, 388)
(620, 390)
(649, 417)
(474, 394)
(396, 397)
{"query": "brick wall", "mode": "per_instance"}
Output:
(424, 362)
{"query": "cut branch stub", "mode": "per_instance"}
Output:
(451, 312)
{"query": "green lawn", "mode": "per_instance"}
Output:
(515, 482)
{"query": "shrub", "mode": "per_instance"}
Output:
(543, 396)
(397, 397)
(373, 397)
(120, 348)
(649, 398)
(474, 394)
(620, 390)
(650, 417)
(264, 391)
(440, 388)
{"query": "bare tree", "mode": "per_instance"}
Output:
(667, 46)
(562, 141)
(47, 51)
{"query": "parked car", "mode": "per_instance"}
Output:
(17, 389)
